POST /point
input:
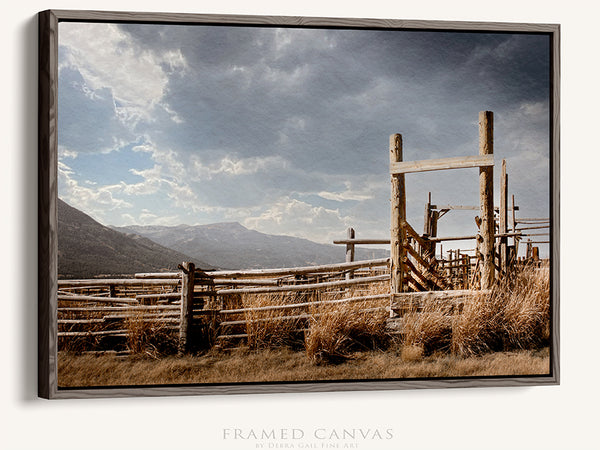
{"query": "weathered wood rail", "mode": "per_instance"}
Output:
(105, 314)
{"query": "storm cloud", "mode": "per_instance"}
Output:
(286, 129)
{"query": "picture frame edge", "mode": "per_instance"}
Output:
(48, 21)
(47, 202)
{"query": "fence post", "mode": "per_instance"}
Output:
(504, 218)
(516, 239)
(427, 218)
(535, 254)
(435, 216)
(398, 216)
(187, 304)
(486, 199)
(350, 251)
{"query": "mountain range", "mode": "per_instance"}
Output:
(87, 248)
(232, 246)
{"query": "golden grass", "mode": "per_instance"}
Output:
(337, 330)
(274, 328)
(478, 328)
(527, 308)
(412, 352)
(515, 316)
(154, 337)
(243, 365)
(497, 334)
(82, 342)
(331, 333)
(429, 329)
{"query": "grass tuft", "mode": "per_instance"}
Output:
(153, 338)
(273, 328)
(427, 327)
(516, 315)
(412, 352)
(337, 330)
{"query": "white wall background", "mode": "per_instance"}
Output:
(533, 418)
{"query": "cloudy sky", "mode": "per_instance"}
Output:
(286, 130)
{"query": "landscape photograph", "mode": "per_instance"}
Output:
(258, 203)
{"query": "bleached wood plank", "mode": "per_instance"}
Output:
(90, 298)
(159, 295)
(362, 241)
(304, 287)
(118, 282)
(469, 207)
(170, 275)
(472, 236)
(217, 275)
(428, 165)
(306, 304)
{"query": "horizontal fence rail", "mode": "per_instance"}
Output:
(299, 270)
(304, 287)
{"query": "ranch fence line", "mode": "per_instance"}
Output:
(205, 308)
(200, 310)
(193, 302)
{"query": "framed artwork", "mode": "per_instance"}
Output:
(249, 204)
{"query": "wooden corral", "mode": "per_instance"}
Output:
(195, 309)
(201, 308)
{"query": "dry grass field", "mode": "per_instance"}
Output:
(243, 365)
(503, 333)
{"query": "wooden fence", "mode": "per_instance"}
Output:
(196, 308)
(101, 314)
(200, 308)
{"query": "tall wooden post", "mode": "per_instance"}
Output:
(435, 216)
(514, 228)
(486, 199)
(187, 305)
(350, 251)
(504, 218)
(427, 218)
(398, 217)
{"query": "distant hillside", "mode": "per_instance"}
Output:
(87, 249)
(232, 246)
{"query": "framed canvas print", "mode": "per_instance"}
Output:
(244, 204)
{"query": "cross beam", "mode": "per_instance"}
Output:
(427, 165)
(467, 208)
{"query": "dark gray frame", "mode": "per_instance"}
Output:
(47, 205)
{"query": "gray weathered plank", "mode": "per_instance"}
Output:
(217, 275)
(304, 287)
(428, 165)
